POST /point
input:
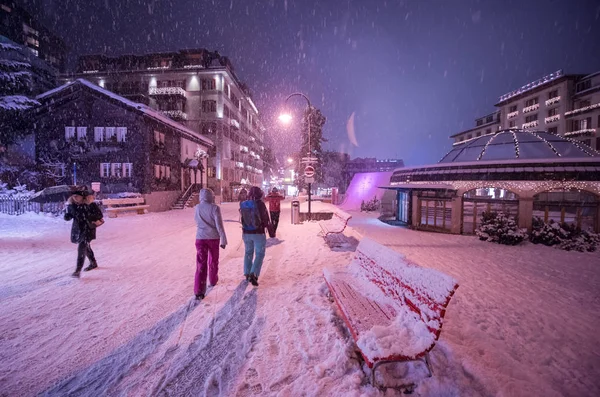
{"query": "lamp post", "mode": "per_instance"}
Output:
(286, 118)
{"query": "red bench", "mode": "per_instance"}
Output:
(336, 224)
(394, 309)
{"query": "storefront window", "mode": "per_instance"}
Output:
(576, 207)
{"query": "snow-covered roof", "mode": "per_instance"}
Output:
(518, 144)
(146, 110)
(417, 186)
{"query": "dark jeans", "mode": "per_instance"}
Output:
(84, 249)
(275, 220)
(207, 253)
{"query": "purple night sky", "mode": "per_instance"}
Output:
(414, 72)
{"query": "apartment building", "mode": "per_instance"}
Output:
(199, 89)
(565, 105)
(19, 26)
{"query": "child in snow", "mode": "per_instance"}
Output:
(86, 215)
(255, 219)
(210, 233)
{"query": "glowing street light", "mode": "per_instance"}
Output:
(285, 118)
(290, 160)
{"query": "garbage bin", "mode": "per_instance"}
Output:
(295, 212)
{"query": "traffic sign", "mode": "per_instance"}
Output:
(309, 180)
(310, 159)
(309, 171)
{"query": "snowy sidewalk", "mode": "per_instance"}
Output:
(523, 322)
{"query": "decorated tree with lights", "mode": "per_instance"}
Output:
(317, 121)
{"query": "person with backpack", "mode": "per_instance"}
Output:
(274, 199)
(255, 219)
(210, 234)
(86, 216)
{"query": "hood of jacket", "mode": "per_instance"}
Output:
(77, 199)
(207, 196)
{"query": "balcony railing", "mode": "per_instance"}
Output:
(531, 124)
(531, 108)
(586, 132)
(176, 114)
(512, 114)
(239, 164)
(156, 91)
(582, 110)
(235, 123)
(552, 101)
(552, 119)
(243, 149)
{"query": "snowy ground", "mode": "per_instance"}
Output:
(524, 321)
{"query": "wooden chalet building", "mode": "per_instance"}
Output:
(86, 134)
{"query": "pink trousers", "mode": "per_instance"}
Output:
(207, 253)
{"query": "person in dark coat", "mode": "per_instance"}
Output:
(274, 199)
(255, 219)
(85, 214)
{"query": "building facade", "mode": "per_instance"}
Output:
(370, 164)
(200, 90)
(86, 134)
(19, 26)
(525, 174)
(564, 105)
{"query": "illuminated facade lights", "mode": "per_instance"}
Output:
(552, 119)
(531, 124)
(512, 114)
(531, 108)
(581, 110)
(552, 101)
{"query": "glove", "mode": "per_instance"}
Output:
(223, 246)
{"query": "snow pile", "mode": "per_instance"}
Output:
(406, 336)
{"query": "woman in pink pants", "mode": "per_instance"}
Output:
(210, 234)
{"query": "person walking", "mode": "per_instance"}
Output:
(255, 219)
(86, 216)
(210, 234)
(274, 199)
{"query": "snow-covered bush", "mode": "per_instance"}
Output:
(17, 191)
(564, 236)
(371, 205)
(497, 227)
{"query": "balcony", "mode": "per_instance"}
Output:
(552, 101)
(512, 115)
(167, 91)
(243, 149)
(552, 119)
(235, 123)
(239, 164)
(531, 108)
(175, 114)
(531, 124)
(582, 110)
(584, 132)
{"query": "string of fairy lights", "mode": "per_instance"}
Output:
(487, 144)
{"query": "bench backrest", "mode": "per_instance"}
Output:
(124, 201)
(425, 291)
(343, 216)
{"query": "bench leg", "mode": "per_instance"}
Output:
(428, 364)
(407, 388)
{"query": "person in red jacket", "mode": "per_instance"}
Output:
(274, 199)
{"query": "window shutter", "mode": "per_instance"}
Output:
(589, 122)
(101, 169)
(69, 132)
(98, 134)
(81, 132)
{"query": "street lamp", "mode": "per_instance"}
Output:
(286, 118)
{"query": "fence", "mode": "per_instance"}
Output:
(19, 205)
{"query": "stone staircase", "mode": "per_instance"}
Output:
(187, 198)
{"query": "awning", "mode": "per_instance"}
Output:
(192, 163)
(419, 186)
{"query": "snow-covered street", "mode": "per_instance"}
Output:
(523, 322)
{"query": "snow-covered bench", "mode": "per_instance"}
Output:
(336, 224)
(394, 309)
(114, 206)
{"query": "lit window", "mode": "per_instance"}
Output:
(110, 133)
(121, 134)
(105, 170)
(116, 169)
(81, 133)
(127, 168)
(98, 134)
(69, 133)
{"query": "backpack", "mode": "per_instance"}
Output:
(250, 216)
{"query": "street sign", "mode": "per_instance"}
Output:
(310, 159)
(309, 180)
(309, 171)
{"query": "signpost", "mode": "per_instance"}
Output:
(309, 174)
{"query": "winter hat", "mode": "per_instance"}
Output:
(274, 190)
